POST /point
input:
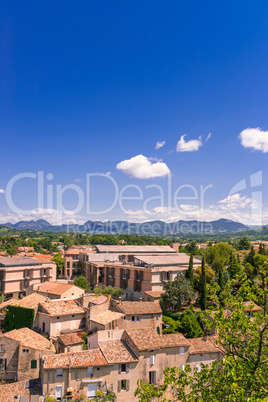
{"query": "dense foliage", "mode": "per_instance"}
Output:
(18, 317)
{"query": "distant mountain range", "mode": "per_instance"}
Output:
(146, 228)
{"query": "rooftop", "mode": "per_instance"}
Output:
(106, 317)
(96, 299)
(202, 345)
(165, 260)
(29, 339)
(18, 261)
(134, 249)
(155, 293)
(139, 308)
(56, 288)
(84, 358)
(117, 352)
(62, 307)
(250, 305)
(31, 301)
(71, 339)
(147, 338)
(102, 257)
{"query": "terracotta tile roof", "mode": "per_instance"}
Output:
(155, 293)
(139, 308)
(147, 338)
(202, 345)
(117, 352)
(71, 339)
(31, 301)
(29, 339)
(85, 358)
(106, 317)
(56, 288)
(134, 249)
(96, 299)
(61, 307)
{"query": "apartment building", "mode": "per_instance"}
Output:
(141, 273)
(20, 354)
(18, 273)
(117, 359)
(72, 264)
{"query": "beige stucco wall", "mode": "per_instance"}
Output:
(70, 321)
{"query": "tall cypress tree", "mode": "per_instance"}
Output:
(220, 279)
(190, 271)
(203, 297)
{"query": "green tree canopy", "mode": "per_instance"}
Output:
(219, 255)
(82, 282)
(178, 293)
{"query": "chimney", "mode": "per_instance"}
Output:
(140, 299)
(120, 300)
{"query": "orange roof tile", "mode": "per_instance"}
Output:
(29, 339)
(139, 308)
(147, 338)
(71, 339)
(62, 307)
(202, 345)
(117, 352)
(84, 358)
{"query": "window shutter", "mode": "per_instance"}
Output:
(119, 368)
(152, 357)
(119, 386)
(127, 367)
(170, 275)
(163, 276)
(181, 350)
(127, 385)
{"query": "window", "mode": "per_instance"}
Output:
(181, 350)
(2, 348)
(133, 318)
(123, 368)
(152, 359)
(182, 366)
(58, 326)
(3, 363)
(123, 385)
(138, 318)
(24, 351)
(152, 377)
(90, 371)
(33, 364)
(59, 373)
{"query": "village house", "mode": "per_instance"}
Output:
(56, 290)
(20, 354)
(55, 317)
(117, 359)
(18, 273)
(71, 342)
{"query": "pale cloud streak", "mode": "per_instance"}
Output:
(160, 144)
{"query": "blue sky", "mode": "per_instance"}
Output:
(85, 86)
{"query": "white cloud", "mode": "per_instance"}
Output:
(254, 138)
(2, 191)
(190, 146)
(160, 144)
(141, 167)
(208, 137)
(108, 173)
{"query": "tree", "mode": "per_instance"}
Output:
(262, 249)
(234, 266)
(243, 244)
(203, 296)
(59, 262)
(81, 282)
(210, 275)
(219, 255)
(190, 272)
(250, 257)
(178, 293)
(220, 279)
(189, 325)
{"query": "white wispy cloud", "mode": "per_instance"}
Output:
(254, 138)
(208, 137)
(141, 167)
(2, 191)
(160, 144)
(188, 146)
